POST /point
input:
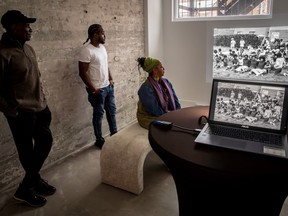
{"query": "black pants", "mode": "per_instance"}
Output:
(33, 140)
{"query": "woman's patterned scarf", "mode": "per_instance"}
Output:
(164, 94)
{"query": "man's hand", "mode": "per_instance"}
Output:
(111, 82)
(97, 91)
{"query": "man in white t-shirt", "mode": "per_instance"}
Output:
(242, 43)
(232, 44)
(95, 73)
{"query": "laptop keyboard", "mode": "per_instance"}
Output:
(272, 139)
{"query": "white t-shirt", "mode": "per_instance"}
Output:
(242, 43)
(98, 64)
(232, 44)
(279, 62)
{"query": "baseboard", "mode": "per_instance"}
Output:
(190, 103)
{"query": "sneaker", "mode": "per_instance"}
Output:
(99, 143)
(43, 188)
(114, 132)
(28, 195)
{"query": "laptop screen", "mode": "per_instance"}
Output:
(248, 104)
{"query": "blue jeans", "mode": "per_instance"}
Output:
(104, 101)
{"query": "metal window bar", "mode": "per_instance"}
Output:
(204, 8)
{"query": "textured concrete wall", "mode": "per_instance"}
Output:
(58, 33)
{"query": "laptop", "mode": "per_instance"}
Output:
(247, 116)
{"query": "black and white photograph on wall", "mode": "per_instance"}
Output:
(259, 53)
(252, 105)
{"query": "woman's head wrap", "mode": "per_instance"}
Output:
(150, 64)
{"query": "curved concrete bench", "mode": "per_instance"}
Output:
(122, 158)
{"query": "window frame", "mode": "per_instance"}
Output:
(175, 17)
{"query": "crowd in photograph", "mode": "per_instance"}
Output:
(251, 106)
(267, 58)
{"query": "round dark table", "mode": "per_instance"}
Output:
(217, 181)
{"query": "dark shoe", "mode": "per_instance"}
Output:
(43, 188)
(28, 195)
(99, 143)
(111, 134)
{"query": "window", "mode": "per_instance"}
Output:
(189, 10)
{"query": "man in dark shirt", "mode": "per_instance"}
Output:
(24, 105)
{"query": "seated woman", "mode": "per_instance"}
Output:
(156, 94)
(245, 66)
(253, 62)
(261, 67)
(279, 63)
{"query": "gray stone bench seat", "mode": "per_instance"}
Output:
(122, 158)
